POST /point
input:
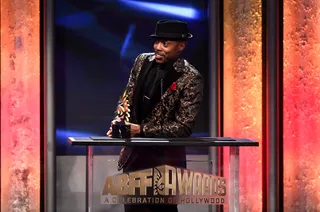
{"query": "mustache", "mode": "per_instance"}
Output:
(159, 53)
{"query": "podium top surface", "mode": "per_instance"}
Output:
(187, 142)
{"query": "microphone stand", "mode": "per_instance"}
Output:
(161, 85)
(161, 91)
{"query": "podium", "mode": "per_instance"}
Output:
(178, 185)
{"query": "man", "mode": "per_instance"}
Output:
(164, 93)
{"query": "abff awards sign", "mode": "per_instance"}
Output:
(165, 185)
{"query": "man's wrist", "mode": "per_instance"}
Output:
(141, 130)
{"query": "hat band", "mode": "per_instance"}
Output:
(171, 35)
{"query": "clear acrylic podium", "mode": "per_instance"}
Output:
(93, 204)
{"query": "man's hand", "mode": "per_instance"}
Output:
(134, 128)
(109, 133)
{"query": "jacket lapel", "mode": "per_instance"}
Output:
(171, 77)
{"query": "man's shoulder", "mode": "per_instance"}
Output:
(190, 69)
(144, 56)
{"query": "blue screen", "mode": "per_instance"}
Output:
(96, 43)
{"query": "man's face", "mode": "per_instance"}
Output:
(166, 50)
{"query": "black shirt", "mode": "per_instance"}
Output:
(151, 89)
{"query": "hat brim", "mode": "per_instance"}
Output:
(171, 37)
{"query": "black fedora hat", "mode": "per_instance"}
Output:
(172, 29)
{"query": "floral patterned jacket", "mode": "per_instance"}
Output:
(180, 103)
(175, 114)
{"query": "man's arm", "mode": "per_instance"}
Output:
(185, 115)
(131, 82)
(129, 89)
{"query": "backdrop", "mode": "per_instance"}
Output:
(96, 43)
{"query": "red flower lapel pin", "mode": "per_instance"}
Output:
(173, 86)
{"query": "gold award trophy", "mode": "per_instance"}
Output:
(121, 129)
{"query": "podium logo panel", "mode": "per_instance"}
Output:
(165, 185)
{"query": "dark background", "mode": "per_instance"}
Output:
(96, 42)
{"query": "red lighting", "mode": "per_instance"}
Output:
(20, 105)
(301, 119)
(243, 93)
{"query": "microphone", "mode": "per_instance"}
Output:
(161, 75)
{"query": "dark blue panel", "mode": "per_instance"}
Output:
(96, 44)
